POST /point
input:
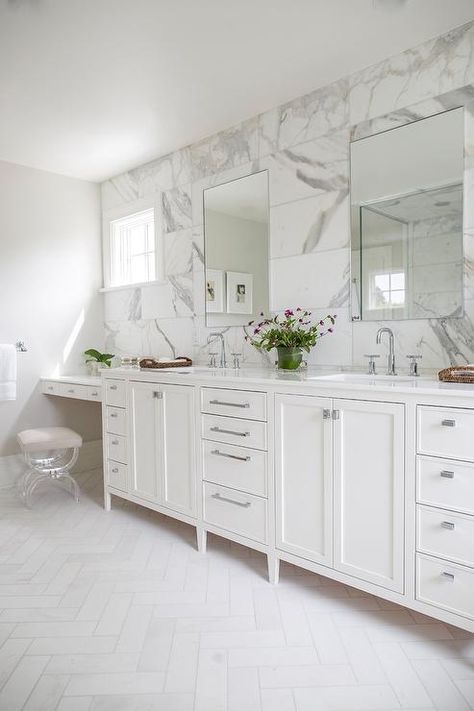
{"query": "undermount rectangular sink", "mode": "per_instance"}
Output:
(366, 378)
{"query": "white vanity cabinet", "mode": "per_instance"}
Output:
(162, 451)
(234, 463)
(303, 487)
(369, 485)
(372, 488)
(445, 509)
(340, 485)
(150, 445)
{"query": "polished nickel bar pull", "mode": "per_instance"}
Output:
(113, 387)
(447, 524)
(71, 390)
(326, 414)
(218, 497)
(448, 423)
(113, 414)
(230, 456)
(158, 394)
(230, 432)
(115, 441)
(447, 474)
(229, 404)
(448, 576)
(94, 394)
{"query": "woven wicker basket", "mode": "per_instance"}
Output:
(457, 374)
(153, 364)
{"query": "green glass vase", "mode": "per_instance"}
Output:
(289, 358)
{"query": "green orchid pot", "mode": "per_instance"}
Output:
(289, 358)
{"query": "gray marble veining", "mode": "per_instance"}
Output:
(305, 146)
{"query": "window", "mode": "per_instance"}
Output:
(387, 290)
(132, 249)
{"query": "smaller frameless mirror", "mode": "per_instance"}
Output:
(407, 221)
(236, 250)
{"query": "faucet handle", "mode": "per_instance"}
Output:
(372, 357)
(413, 363)
(212, 360)
(236, 357)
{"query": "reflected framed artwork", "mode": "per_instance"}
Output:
(239, 293)
(215, 279)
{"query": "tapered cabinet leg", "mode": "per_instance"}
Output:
(201, 536)
(273, 569)
(107, 501)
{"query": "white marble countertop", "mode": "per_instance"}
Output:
(77, 378)
(310, 379)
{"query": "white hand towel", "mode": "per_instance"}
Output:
(7, 371)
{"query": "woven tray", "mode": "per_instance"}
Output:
(153, 364)
(457, 374)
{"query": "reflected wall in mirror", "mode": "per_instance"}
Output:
(236, 250)
(407, 220)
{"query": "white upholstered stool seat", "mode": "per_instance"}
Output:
(50, 453)
(45, 438)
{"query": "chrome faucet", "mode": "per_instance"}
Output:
(391, 350)
(213, 336)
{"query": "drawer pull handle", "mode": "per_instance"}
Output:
(447, 474)
(113, 387)
(218, 497)
(115, 470)
(448, 576)
(115, 441)
(448, 525)
(50, 387)
(158, 394)
(230, 456)
(95, 394)
(71, 390)
(448, 423)
(113, 414)
(230, 432)
(229, 404)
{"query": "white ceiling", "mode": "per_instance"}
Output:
(90, 88)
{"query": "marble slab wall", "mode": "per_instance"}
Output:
(304, 145)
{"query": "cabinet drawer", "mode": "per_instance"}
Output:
(446, 484)
(240, 513)
(236, 467)
(71, 390)
(94, 393)
(445, 535)
(49, 387)
(233, 430)
(445, 432)
(117, 475)
(445, 585)
(116, 420)
(236, 403)
(115, 392)
(116, 448)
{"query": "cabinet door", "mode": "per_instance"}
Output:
(303, 476)
(146, 440)
(369, 491)
(179, 457)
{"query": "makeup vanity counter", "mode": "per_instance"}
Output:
(77, 387)
(368, 480)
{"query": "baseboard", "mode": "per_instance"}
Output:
(13, 465)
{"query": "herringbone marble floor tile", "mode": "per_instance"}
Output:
(118, 612)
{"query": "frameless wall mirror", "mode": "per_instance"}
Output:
(236, 250)
(406, 221)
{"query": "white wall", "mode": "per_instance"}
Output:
(50, 273)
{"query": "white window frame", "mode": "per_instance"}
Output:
(118, 213)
